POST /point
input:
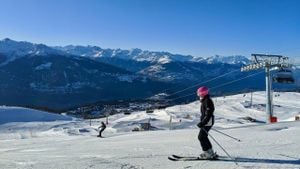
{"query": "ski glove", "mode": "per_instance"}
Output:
(200, 125)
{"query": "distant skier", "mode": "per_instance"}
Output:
(103, 127)
(206, 122)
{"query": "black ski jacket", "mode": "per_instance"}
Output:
(207, 111)
(103, 126)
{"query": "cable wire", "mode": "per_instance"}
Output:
(204, 82)
(224, 84)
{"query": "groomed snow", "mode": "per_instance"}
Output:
(264, 146)
(231, 111)
(72, 144)
(19, 114)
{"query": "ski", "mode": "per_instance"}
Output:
(195, 158)
(178, 156)
(184, 159)
(188, 158)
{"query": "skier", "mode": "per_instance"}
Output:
(103, 126)
(206, 122)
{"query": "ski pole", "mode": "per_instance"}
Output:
(226, 135)
(220, 147)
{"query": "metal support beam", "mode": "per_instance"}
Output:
(268, 94)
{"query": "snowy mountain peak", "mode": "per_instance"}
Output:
(134, 54)
(21, 48)
(88, 51)
(139, 55)
(164, 60)
(16, 49)
(235, 59)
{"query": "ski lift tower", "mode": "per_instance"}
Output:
(269, 63)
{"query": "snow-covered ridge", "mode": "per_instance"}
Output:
(15, 49)
(149, 56)
(237, 59)
(21, 48)
(132, 54)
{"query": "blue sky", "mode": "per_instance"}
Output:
(196, 27)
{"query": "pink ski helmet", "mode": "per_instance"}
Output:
(202, 91)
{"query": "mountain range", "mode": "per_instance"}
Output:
(61, 77)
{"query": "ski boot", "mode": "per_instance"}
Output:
(209, 154)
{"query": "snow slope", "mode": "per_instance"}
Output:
(72, 144)
(231, 111)
(19, 114)
(265, 146)
(20, 123)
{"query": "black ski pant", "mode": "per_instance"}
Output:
(100, 132)
(203, 138)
